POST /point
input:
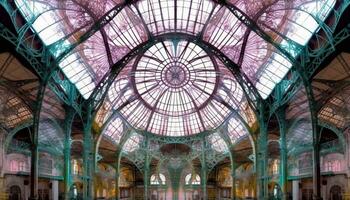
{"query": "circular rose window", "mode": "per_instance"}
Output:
(175, 78)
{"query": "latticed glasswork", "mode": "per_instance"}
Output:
(115, 130)
(175, 81)
(179, 84)
(13, 110)
(132, 143)
(236, 130)
(175, 89)
(192, 179)
(300, 134)
(132, 25)
(217, 143)
(158, 179)
(336, 110)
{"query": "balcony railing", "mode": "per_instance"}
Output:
(19, 146)
(305, 170)
(331, 144)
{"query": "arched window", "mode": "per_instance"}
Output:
(132, 143)
(76, 169)
(275, 166)
(332, 166)
(192, 180)
(277, 192)
(22, 166)
(14, 165)
(217, 143)
(336, 193)
(75, 191)
(158, 180)
(15, 193)
(17, 165)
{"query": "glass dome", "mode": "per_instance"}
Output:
(174, 80)
(175, 88)
(170, 58)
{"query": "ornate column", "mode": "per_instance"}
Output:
(54, 189)
(204, 182)
(175, 174)
(116, 178)
(88, 156)
(117, 183)
(134, 183)
(2, 161)
(295, 189)
(146, 175)
(233, 173)
(315, 142)
(283, 152)
(67, 150)
(261, 154)
(204, 172)
(34, 169)
(146, 182)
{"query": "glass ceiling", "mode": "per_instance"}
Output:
(14, 110)
(85, 66)
(175, 88)
(174, 80)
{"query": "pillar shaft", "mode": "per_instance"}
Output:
(146, 172)
(233, 174)
(87, 171)
(134, 183)
(261, 156)
(88, 161)
(204, 172)
(204, 182)
(67, 151)
(34, 169)
(146, 181)
(117, 184)
(295, 189)
(316, 144)
(54, 189)
(34, 172)
(67, 169)
(316, 172)
(283, 153)
(233, 189)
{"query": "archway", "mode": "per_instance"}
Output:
(335, 193)
(76, 191)
(15, 193)
(275, 191)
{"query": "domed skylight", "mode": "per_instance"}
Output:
(170, 56)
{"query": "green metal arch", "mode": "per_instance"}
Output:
(338, 132)
(13, 132)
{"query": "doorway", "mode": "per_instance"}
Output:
(335, 193)
(15, 193)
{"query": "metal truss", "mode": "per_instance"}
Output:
(55, 81)
(301, 74)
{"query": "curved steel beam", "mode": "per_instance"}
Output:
(338, 132)
(98, 24)
(100, 92)
(13, 132)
